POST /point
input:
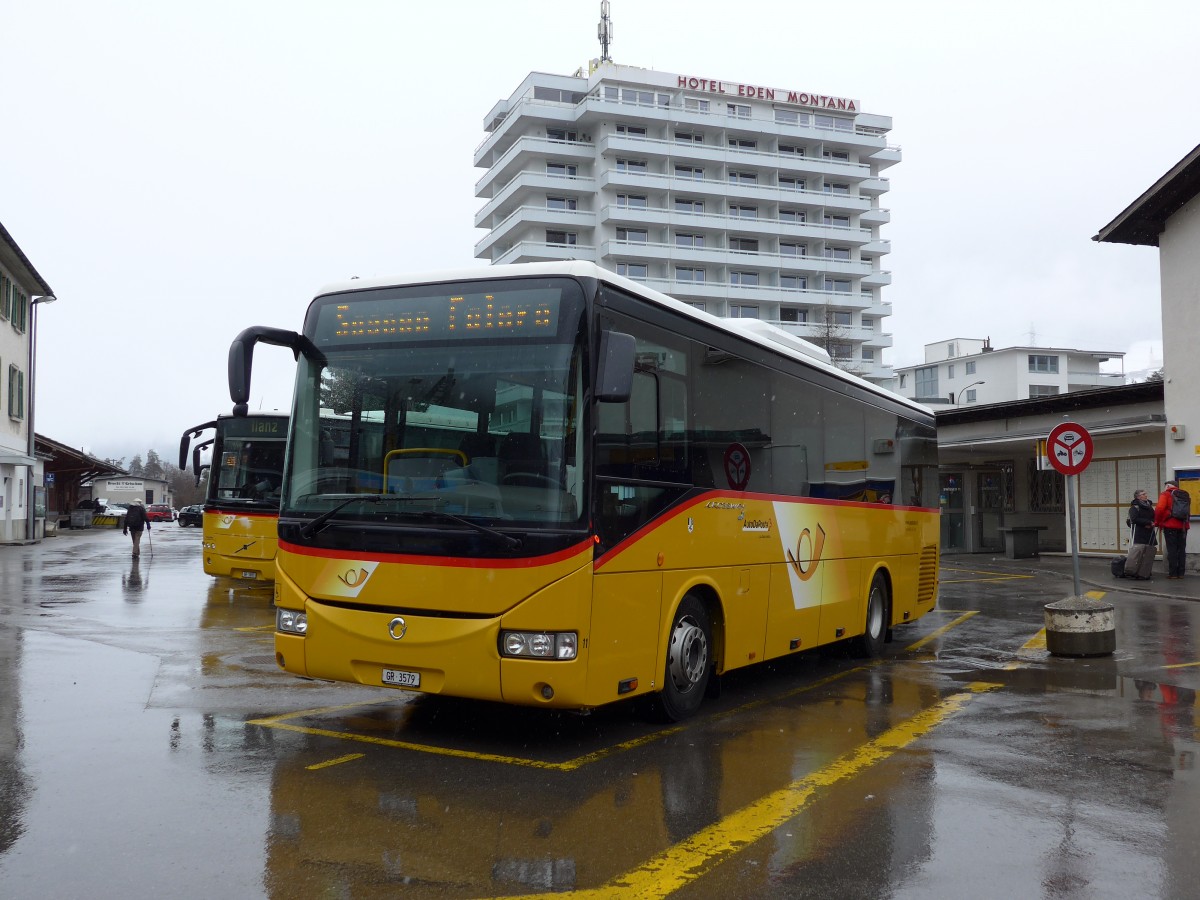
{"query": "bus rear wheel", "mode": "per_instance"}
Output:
(870, 643)
(689, 661)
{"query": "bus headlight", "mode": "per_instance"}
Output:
(291, 621)
(539, 644)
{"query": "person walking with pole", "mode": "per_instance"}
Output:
(1172, 514)
(135, 522)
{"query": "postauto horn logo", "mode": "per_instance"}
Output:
(354, 579)
(342, 580)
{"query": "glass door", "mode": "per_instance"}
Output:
(950, 496)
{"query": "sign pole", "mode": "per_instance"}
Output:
(1071, 479)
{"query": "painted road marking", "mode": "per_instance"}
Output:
(687, 861)
(350, 757)
(937, 634)
(992, 577)
(690, 859)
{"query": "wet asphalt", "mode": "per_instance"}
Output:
(149, 747)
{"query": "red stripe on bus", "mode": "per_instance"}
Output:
(671, 514)
(453, 562)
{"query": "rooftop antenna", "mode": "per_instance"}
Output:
(604, 31)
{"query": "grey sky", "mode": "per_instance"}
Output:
(177, 172)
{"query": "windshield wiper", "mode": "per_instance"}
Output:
(507, 539)
(308, 530)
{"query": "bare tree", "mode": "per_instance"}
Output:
(834, 338)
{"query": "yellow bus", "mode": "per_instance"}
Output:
(545, 484)
(241, 503)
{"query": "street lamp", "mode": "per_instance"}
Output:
(30, 519)
(958, 397)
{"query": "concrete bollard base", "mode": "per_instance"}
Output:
(1080, 626)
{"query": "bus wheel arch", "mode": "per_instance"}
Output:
(690, 655)
(877, 630)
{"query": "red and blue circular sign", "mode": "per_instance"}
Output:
(1069, 448)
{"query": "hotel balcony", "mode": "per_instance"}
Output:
(527, 216)
(535, 185)
(528, 151)
(875, 217)
(540, 251)
(524, 114)
(670, 218)
(762, 294)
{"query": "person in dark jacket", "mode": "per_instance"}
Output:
(1140, 561)
(135, 521)
(1174, 531)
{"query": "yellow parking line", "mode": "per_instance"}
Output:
(1181, 665)
(350, 757)
(936, 634)
(685, 862)
(991, 576)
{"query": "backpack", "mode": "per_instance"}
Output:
(1118, 567)
(1181, 505)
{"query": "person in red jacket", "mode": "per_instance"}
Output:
(1174, 531)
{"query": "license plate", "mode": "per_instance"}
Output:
(401, 679)
(247, 574)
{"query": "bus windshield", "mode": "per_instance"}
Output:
(442, 403)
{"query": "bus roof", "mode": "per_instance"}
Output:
(753, 330)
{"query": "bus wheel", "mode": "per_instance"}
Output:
(689, 661)
(870, 642)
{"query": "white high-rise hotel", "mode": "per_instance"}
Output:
(742, 199)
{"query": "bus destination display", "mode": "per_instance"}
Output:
(448, 317)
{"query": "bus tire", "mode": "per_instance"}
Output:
(870, 643)
(689, 661)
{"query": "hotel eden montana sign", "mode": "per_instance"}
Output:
(755, 92)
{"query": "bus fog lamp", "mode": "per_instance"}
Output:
(291, 621)
(539, 644)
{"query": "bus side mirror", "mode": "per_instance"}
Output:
(241, 359)
(614, 380)
(196, 459)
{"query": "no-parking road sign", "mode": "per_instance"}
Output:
(1069, 448)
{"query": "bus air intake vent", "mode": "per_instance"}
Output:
(927, 576)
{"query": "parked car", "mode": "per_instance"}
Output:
(191, 515)
(158, 512)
